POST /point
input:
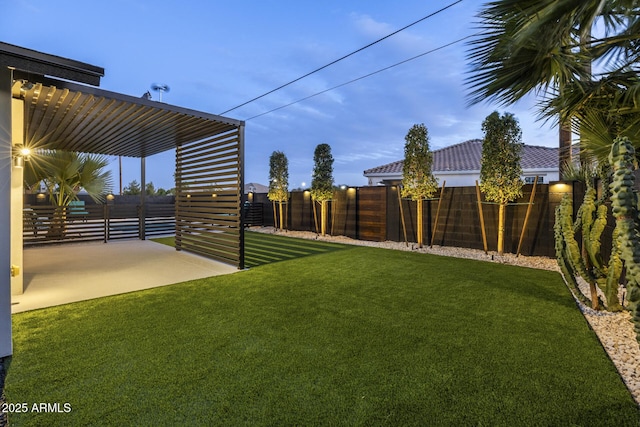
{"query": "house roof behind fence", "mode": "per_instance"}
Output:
(466, 156)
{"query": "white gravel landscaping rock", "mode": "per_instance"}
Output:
(614, 330)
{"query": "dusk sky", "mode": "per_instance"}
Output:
(216, 55)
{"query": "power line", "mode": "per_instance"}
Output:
(344, 57)
(365, 76)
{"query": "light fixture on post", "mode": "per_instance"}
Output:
(20, 154)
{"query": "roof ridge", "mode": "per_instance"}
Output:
(466, 156)
(458, 144)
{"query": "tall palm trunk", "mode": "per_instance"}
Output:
(564, 146)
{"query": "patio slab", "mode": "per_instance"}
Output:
(55, 275)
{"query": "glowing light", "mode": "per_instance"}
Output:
(560, 187)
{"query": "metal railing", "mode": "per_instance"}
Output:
(50, 224)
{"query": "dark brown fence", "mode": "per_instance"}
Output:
(375, 213)
(48, 224)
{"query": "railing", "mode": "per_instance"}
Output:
(50, 224)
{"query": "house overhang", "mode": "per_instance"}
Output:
(36, 63)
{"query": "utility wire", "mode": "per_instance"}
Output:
(344, 57)
(363, 77)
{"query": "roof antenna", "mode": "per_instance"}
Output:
(160, 87)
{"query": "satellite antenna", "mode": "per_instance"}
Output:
(160, 87)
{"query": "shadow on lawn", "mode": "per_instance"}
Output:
(261, 248)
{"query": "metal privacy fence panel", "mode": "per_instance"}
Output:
(51, 224)
(209, 186)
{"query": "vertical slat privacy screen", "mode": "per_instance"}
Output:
(208, 197)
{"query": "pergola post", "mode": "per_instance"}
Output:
(241, 188)
(143, 199)
(6, 348)
(17, 199)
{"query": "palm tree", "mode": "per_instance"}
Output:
(607, 113)
(546, 47)
(64, 174)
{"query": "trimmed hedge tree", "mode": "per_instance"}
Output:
(418, 181)
(322, 181)
(278, 181)
(500, 169)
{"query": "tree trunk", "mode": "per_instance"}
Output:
(275, 214)
(501, 220)
(57, 225)
(323, 217)
(419, 231)
(564, 146)
(281, 218)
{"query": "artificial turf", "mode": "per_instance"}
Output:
(348, 336)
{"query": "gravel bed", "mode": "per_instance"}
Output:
(614, 330)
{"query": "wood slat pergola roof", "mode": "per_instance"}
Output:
(76, 117)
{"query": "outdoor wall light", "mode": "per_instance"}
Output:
(343, 187)
(18, 162)
(110, 197)
(20, 154)
(560, 187)
(41, 196)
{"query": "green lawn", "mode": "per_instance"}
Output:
(334, 335)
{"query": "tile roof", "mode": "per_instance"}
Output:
(254, 187)
(466, 156)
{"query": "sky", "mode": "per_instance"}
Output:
(216, 55)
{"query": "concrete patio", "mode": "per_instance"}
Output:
(61, 274)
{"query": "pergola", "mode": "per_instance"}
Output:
(49, 102)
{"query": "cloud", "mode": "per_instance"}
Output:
(368, 26)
